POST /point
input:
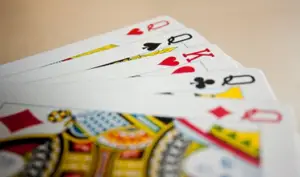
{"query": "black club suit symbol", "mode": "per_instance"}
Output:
(201, 82)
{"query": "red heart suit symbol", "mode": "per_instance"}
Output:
(170, 61)
(184, 69)
(135, 31)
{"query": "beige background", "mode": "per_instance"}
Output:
(257, 33)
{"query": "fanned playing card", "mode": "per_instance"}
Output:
(96, 44)
(242, 84)
(204, 138)
(187, 37)
(200, 58)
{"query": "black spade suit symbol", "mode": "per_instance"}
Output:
(151, 46)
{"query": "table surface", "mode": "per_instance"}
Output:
(260, 34)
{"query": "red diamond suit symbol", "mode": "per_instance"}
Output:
(219, 112)
(19, 121)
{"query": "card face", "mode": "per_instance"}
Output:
(241, 84)
(187, 37)
(172, 62)
(202, 65)
(224, 138)
(246, 83)
(103, 42)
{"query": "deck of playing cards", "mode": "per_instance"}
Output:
(154, 99)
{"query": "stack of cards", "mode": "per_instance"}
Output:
(155, 99)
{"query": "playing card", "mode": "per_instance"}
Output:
(146, 136)
(203, 65)
(187, 37)
(206, 57)
(245, 83)
(92, 45)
